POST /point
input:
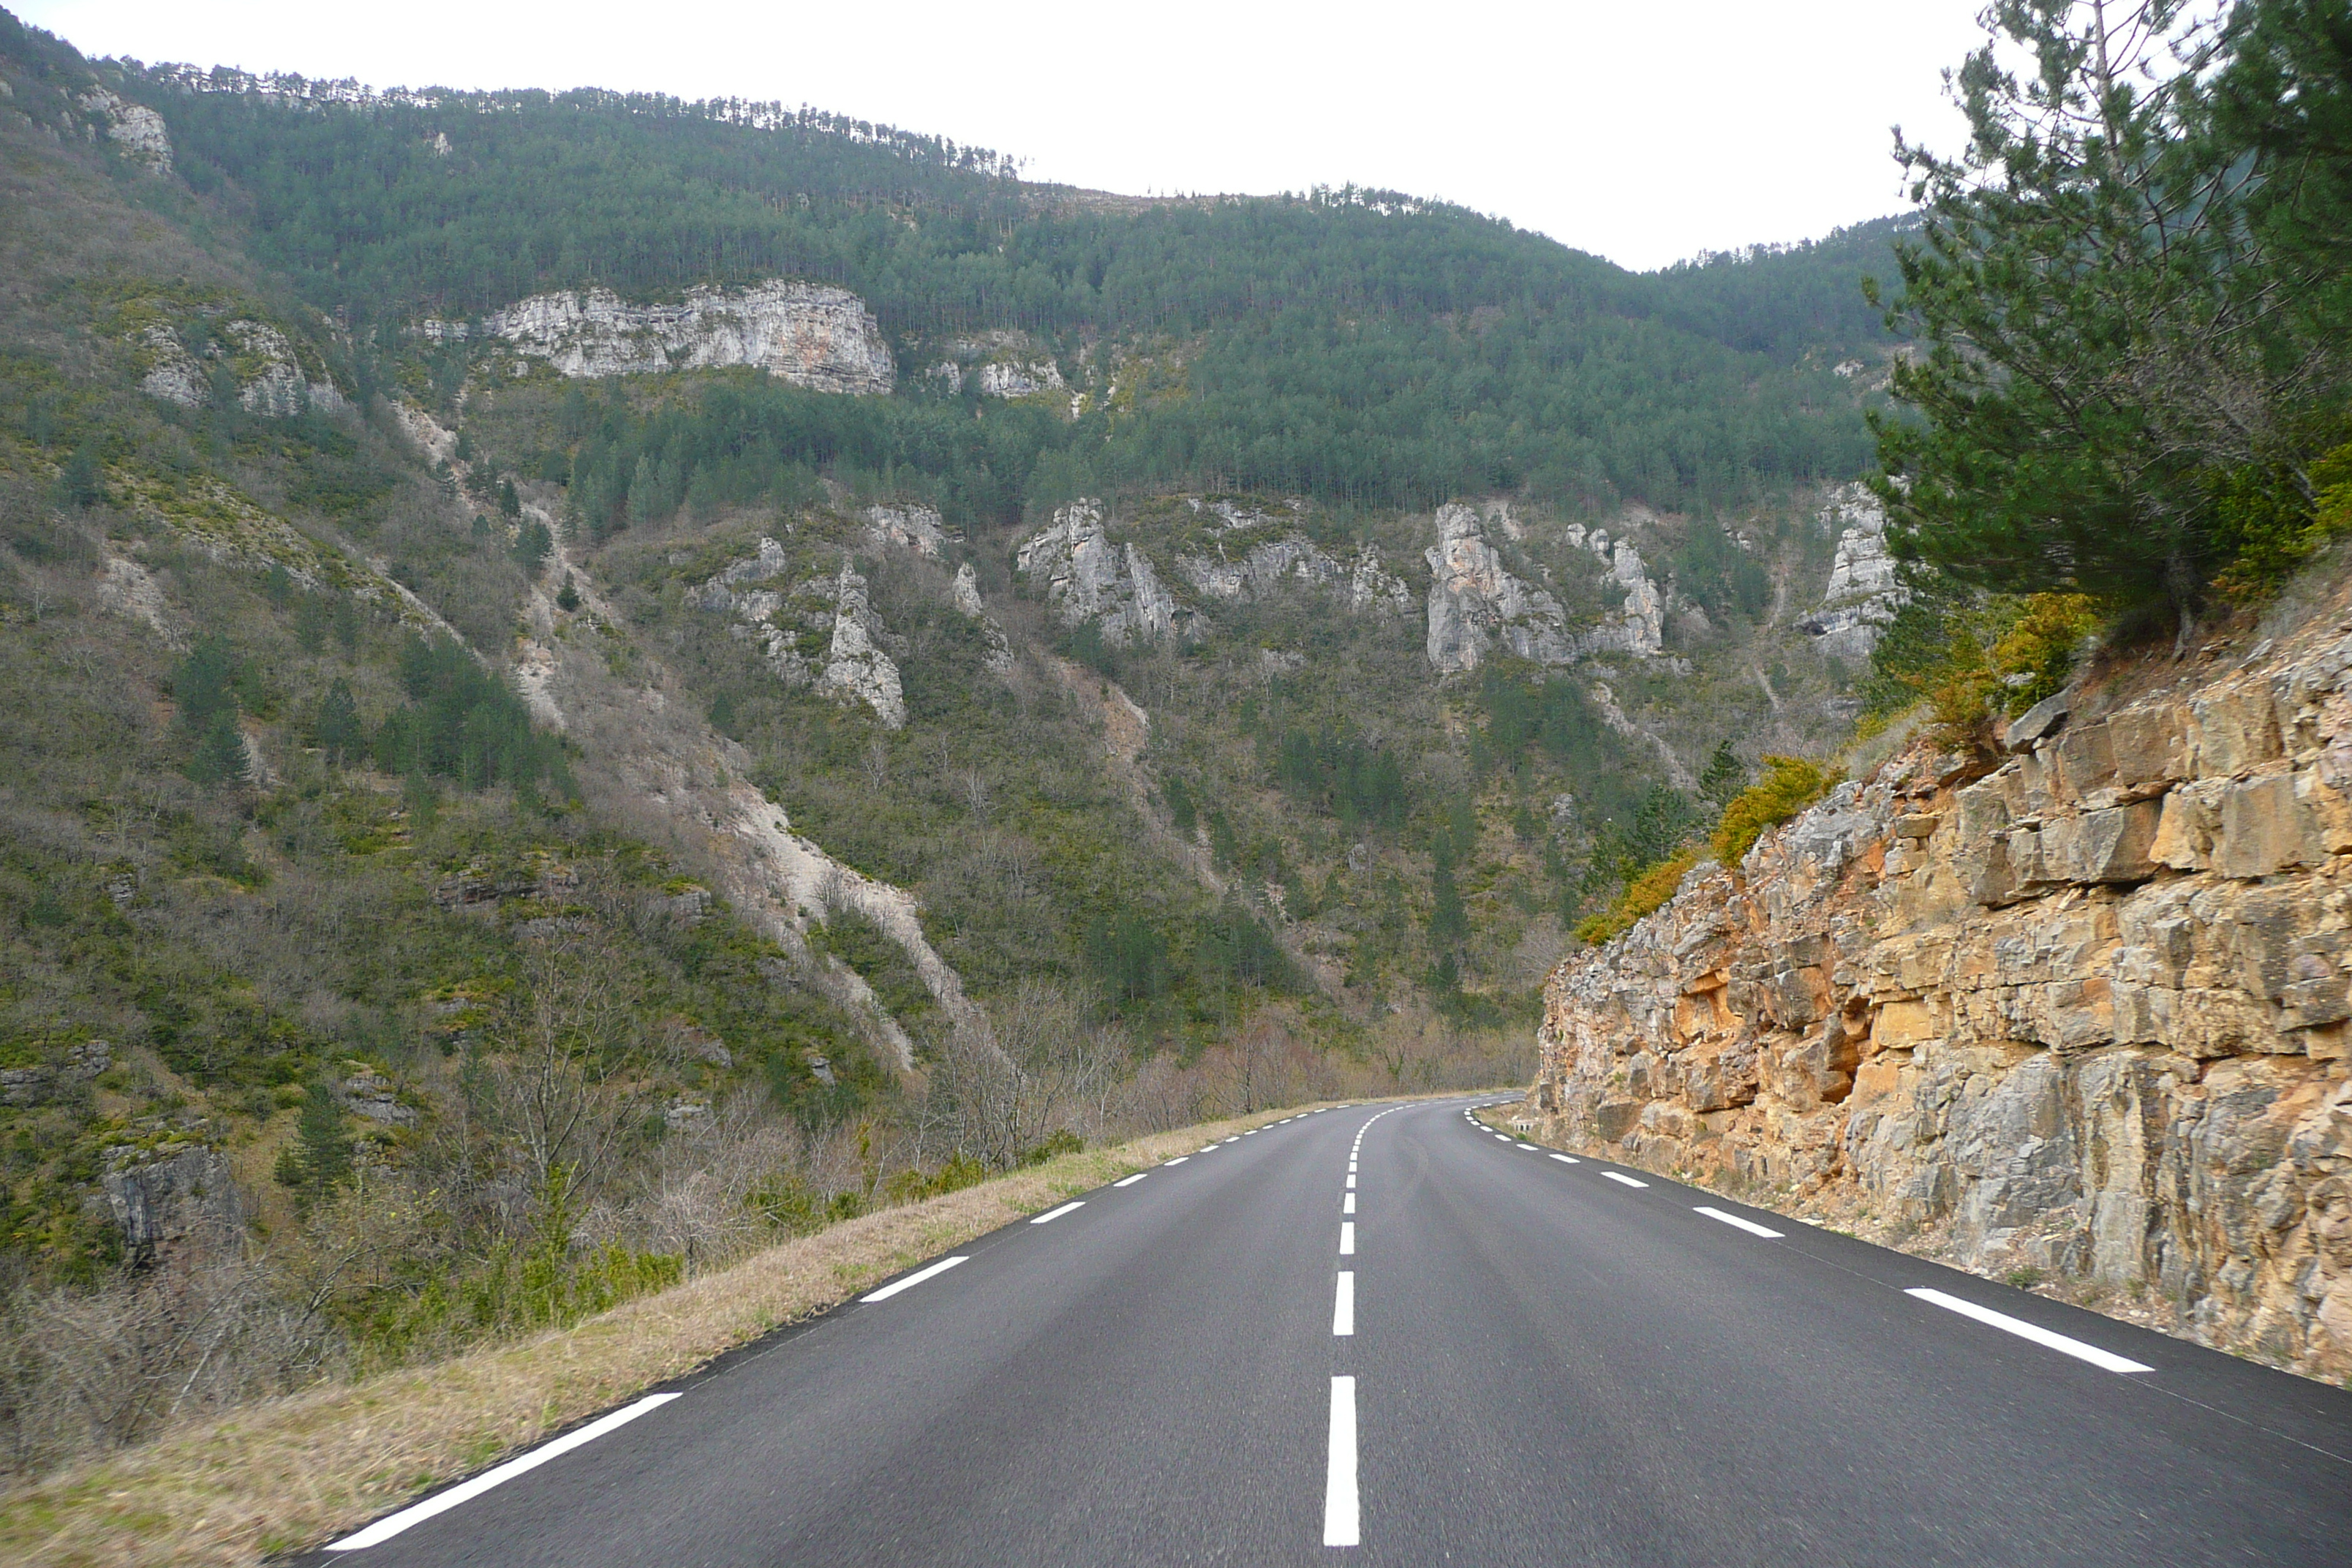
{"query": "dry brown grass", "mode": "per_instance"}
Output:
(295, 1471)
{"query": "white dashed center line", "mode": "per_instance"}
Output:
(1352, 1179)
(1568, 1159)
(1340, 1526)
(1343, 1305)
(917, 1278)
(1131, 1180)
(1348, 1203)
(1620, 1177)
(1749, 1225)
(2106, 1360)
(1052, 1214)
(1180, 1159)
(1528, 1147)
(1347, 1238)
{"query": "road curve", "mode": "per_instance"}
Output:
(1466, 1350)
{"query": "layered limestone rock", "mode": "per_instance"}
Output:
(1476, 604)
(270, 380)
(855, 667)
(810, 334)
(1864, 593)
(137, 131)
(965, 593)
(913, 528)
(1021, 378)
(1639, 624)
(819, 632)
(2085, 1013)
(1002, 363)
(1088, 578)
(160, 1193)
(1363, 581)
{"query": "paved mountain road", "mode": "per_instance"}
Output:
(1530, 1360)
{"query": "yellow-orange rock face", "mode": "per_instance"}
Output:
(2086, 1013)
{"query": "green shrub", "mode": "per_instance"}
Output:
(1789, 786)
(2273, 524)
(1644, 894)
(1968, 658)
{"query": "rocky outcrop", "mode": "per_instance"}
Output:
(80, 1066)
(1476, 604)
(820, 632)
(909, 527)
(1864, 593)
(1002, 363)
(810, 334)
(174, 374)
(260, 359)
(368, 1093)
(855, 667)
(136, 131)
(160, 1192)
(1019, 378)
(1085, 578)
(964, 592)
(2086, 1014)
(1363, 581)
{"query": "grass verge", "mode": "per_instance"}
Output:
(294, 1472)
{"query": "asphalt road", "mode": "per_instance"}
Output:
(1541, 1363)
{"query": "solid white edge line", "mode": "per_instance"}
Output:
(1131, 1180)
(1347, 1238)
(1051, 1215)
(1568, 1159)
(1341, 1525)
(1620, 1177)
(2105, 1361)
(1343, 1305)
(384, 1529)
(1733, 1220)
(917, 1278)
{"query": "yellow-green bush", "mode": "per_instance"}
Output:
(1644, 893)
(1968, 659)
(2041, 643)
(1789, 786)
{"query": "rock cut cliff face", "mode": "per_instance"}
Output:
(2085, 1013)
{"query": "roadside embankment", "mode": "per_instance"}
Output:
(290, 1472)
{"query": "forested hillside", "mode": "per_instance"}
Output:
(1364, 347)
(533, 772)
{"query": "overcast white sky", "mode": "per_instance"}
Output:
(1645, 131)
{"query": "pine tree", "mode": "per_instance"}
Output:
(338, 730)
(2121, 323)
(1724, 777)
